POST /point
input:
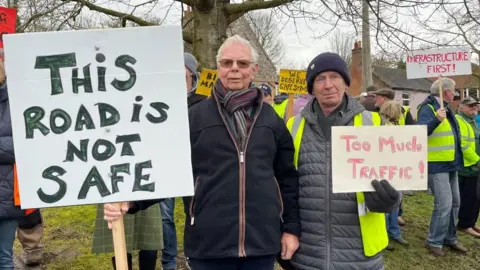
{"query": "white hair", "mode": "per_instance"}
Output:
(237, 39)
(447, 84)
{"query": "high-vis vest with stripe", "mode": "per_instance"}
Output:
(401, 121)
(441, 143)
(470, 156)
(372, 225)
(281, 109)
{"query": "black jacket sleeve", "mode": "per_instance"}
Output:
(287, 178)
(142, 205)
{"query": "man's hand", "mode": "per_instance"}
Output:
(441, 114)
(289, 245)
(384, 199)
(112, 212)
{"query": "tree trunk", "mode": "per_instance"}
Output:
(210, 30)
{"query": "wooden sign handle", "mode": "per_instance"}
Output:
(440, 90)
(290, 106)
(119, 244)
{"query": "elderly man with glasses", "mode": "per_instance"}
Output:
(245, 208)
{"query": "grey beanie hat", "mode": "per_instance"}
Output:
(190, 62)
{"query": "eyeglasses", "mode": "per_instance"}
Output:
(228, 63)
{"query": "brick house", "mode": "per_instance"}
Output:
(409, 92)
(267, 72)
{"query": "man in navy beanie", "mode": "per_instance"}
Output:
(339, 230)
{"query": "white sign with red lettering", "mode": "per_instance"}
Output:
(395, 153)
(438, 62)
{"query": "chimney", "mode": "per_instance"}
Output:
(355, 88)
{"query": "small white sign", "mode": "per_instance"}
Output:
(99, 115)
(438, 62)
(395, 153)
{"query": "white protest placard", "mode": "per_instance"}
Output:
(395, 153)
(99, 115)
(438, 62)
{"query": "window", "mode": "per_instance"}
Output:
(405, 99)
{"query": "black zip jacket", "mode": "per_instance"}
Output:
(194, 99)
(243, 200)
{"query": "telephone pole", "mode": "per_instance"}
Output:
(367, 79)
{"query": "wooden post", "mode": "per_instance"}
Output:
(290, 106)
(440, 91)
(119, 244)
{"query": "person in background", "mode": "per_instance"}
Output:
(386, 94)
(477, 117)
(245, 208)
(445, 158)
(267, 93)
(391, 112)
(280, 105)
(9, 213)
(367, 99)
(298, 104)
(192, 77)
(29, 234)
(468, 174)
(338, 230)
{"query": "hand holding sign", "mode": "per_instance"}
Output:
(441, 114)
(384, 199)
(115, 211)
(395, 153)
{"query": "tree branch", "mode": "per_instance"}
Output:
(37, 16)
(242, 8)
(186, 2)
(114, 13)
(187, 37)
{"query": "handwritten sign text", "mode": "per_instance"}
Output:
(394, 153)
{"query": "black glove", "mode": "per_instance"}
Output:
(384, 199)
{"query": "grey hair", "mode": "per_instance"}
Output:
(447, 83)
(240, 40)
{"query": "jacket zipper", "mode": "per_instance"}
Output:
(241, 182)
(192, 203)
(327, 207)
(280, 198)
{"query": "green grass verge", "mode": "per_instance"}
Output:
(68, 236)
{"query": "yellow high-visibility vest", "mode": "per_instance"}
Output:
(372, 225)
(402, 119)
(467, 134)
(281, 109)
(441, 143)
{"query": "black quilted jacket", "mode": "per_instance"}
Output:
(7, 208)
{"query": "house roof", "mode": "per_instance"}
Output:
(397, 79)
(267, 70)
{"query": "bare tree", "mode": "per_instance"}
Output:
(206, 26)
(264, 25)
(342, 44)
(455, 24)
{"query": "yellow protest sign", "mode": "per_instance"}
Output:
(206, 82)
(292, 81)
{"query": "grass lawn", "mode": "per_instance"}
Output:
(69, 232)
